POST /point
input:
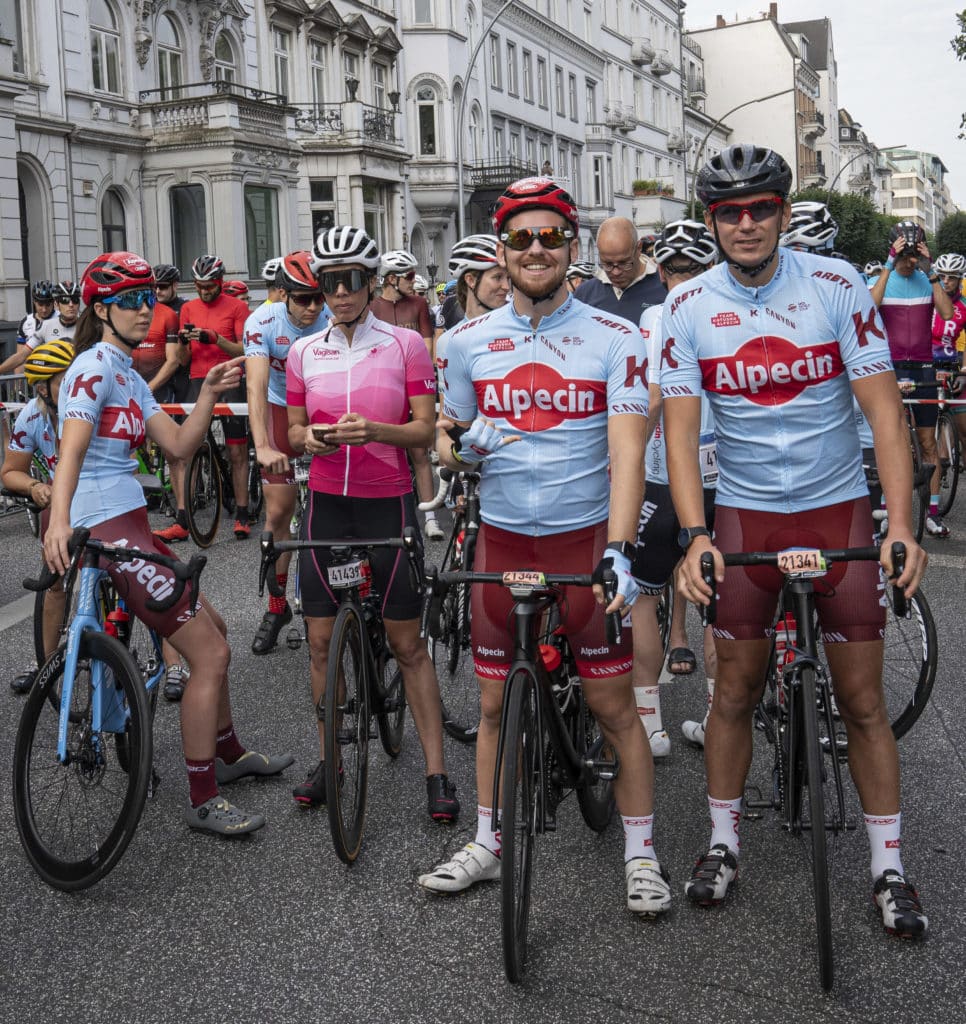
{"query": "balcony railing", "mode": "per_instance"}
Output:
(690, 44)
(378, 124)
(320, 118)
(201, 90)
(500, 173)
(696, 86)
(214, 105)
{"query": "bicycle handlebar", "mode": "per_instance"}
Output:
(22, 499)
(185, 573)
(869, 554)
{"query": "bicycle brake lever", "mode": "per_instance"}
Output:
(613, 627)
(899, 603)
(709, 612)
(269, 557)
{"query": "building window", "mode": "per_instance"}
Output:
(317, 70)
(189, 226)
(261, 226)
(380, 75)
(476, 141)
(10, 16)
(426, 121)
(499, 151)
(322, 196)
(528, 76)
(572, 96)
(512, 85)
(224, 59)
(422, 12)
(542, 82)
(600, 181)
(531, 152)
(515, 147)
(374, 206)
(496, 65)
(105, 48)
(113, 222)
(350, 65)
(558, 90)
(590, 98)
(283, 47)
(169, 59)
(575, 188)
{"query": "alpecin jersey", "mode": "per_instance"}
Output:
(33, 432)
(555, 386)
(102, 388)
(269, 334)
(776, 363)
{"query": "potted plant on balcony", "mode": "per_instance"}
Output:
(645, 187)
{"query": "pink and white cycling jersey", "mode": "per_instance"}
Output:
(269, 334)
(555, 386)
(375, 376)
(945, 333)
(102, 388)
(33, 432)
(776, 363)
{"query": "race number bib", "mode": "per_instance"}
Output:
(351, 574)
(708, 459)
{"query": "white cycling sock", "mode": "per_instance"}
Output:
(883, 831)
(725, 816)
(648, 701)
(639, 837)
(484, 835)
(430, 517)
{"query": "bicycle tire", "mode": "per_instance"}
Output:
(520, 774)
(203, 496)
(41, 475)
(948, 451)
(347, 714)
(71, 855)
(256, 496)
(665, 612)
(814, 777)
(920, 494)
(910, 656)
(596, 800)
(391, 717)
(459, 692)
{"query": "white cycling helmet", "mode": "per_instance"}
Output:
(344, 245)
(396, 261)
(208, 268)
(811, 226)
(271, 269)
(420, 284)
(475, 252)
(950, 263)
(686, 238)
(872, 267)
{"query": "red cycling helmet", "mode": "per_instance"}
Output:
(534, 194)
(114, 272)
(295, 273)
(236, 289)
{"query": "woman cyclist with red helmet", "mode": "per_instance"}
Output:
(106, 410)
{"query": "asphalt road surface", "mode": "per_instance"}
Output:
(191, 928)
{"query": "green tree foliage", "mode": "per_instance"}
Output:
(951, 236)
(863, 231)
(958, 44)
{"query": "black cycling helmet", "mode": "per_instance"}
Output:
(43, 291)
(742, 170)
(208, 268)
(166, 273)
(67, 291)
(911, 232)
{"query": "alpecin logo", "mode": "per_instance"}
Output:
(726, 320)
(534, 397)
(123, 424)
(771, 370)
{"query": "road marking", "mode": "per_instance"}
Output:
(16, 611)
(947, 561)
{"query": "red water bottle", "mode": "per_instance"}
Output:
(458, 547)
(786, 636)
(365, 587)
(118, 624)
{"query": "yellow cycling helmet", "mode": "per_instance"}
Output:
(47, 360)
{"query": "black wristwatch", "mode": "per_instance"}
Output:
(627, 549)
(688, 534)
(934, 279)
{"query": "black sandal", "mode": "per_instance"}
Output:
(681, 655)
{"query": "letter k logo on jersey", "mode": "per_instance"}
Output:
(666, 358)
(635, 369)
(85, 384)
(865, 327)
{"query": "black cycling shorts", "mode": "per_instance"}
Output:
(658, 551)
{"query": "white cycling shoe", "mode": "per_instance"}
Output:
(472, 864)
(660, 743)
(648, 887)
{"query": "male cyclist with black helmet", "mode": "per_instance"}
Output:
(779, 342)
(167, 277)
(42, 303)
(67, 297)
(907, 299)
(551, 394)
(214, 326)
(269, 334)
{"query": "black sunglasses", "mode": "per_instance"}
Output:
(353, 280)
(307, 298)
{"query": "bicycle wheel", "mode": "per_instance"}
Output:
(76, 819)
(459, 692)
(203, 496)
(256, 497)
(39, 473)
(909, 664)
(596, 799)
(520, 774)
(814, 777)
(347, 715)
(665, 609)
(391, 716)
(948, 452)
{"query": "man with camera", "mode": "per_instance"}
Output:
(907, 298)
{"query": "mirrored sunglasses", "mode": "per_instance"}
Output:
(760, 210)
(520, 239)
(132, 300)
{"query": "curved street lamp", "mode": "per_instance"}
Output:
(460, 212)
(704, 141)
(848, 163)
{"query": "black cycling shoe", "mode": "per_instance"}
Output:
(712, 876)
(441, 798)
(899, 905)
(269, 628)
(311, 793)
(21, 684)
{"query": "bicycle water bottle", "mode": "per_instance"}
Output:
(118, 624)
(458, 547)
(365, 587)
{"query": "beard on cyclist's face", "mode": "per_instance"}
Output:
(536, 272)
(208, 291)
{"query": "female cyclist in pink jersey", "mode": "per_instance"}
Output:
(106, 410)
(360, 394)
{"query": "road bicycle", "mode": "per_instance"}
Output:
(296, 635)
(209, 488)
(458, 690)
(83, 771)
(949, 448)
(549, 742)
(155, 479)
(362, 678)
(797, 716)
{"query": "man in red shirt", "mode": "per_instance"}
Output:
(399, 304)
(158, 357)
(214, 326)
